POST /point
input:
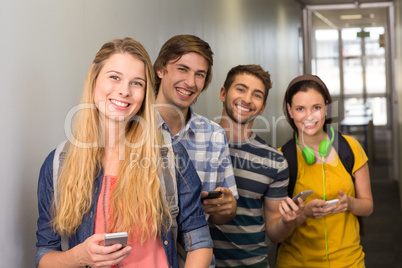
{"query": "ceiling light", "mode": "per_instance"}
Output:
(351, 17)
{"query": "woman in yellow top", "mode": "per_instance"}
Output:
(325, 236)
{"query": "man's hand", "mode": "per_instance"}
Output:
(222, 209)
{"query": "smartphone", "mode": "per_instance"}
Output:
(303, 195)
(212, 195)
(116, 238)
(331, 202)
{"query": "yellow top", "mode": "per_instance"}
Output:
(306, 246)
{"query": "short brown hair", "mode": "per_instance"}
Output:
(252, 69)
(176, 47)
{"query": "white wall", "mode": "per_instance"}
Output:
(47, 47)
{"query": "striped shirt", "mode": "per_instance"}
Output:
(261, 172)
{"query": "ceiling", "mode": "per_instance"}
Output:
(330, 18)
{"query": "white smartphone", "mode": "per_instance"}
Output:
(331, 202)
(303, 195)
(116, 238)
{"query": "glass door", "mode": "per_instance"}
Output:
(352, 50)
(352, 62)
(364, 72)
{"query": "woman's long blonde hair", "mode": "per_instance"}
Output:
(137, 201)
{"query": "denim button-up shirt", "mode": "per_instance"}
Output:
(193, 231)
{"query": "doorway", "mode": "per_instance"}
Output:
(351, 49)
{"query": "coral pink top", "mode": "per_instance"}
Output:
(150, 254)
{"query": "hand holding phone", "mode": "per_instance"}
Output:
(331, 203)
(303, 195)
(116, 238)
(212, 195)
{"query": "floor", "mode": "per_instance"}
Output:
(382, 242)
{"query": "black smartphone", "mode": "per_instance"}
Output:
(212, 195)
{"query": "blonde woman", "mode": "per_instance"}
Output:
(103, 189)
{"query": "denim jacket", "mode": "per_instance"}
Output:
(193, 231)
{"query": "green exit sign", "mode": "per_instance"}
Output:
(363, 34)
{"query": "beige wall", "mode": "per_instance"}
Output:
(47, 47)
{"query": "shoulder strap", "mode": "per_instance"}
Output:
(58, 161)
(168, 181)
(345, 153)
(169, 185)
(56, 167)
(290, 153)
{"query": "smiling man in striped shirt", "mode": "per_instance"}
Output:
(261, 174)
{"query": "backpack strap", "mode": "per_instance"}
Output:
(58, 161)
(290, 152)
(345, 153)
(169, 185)
(57, 164)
